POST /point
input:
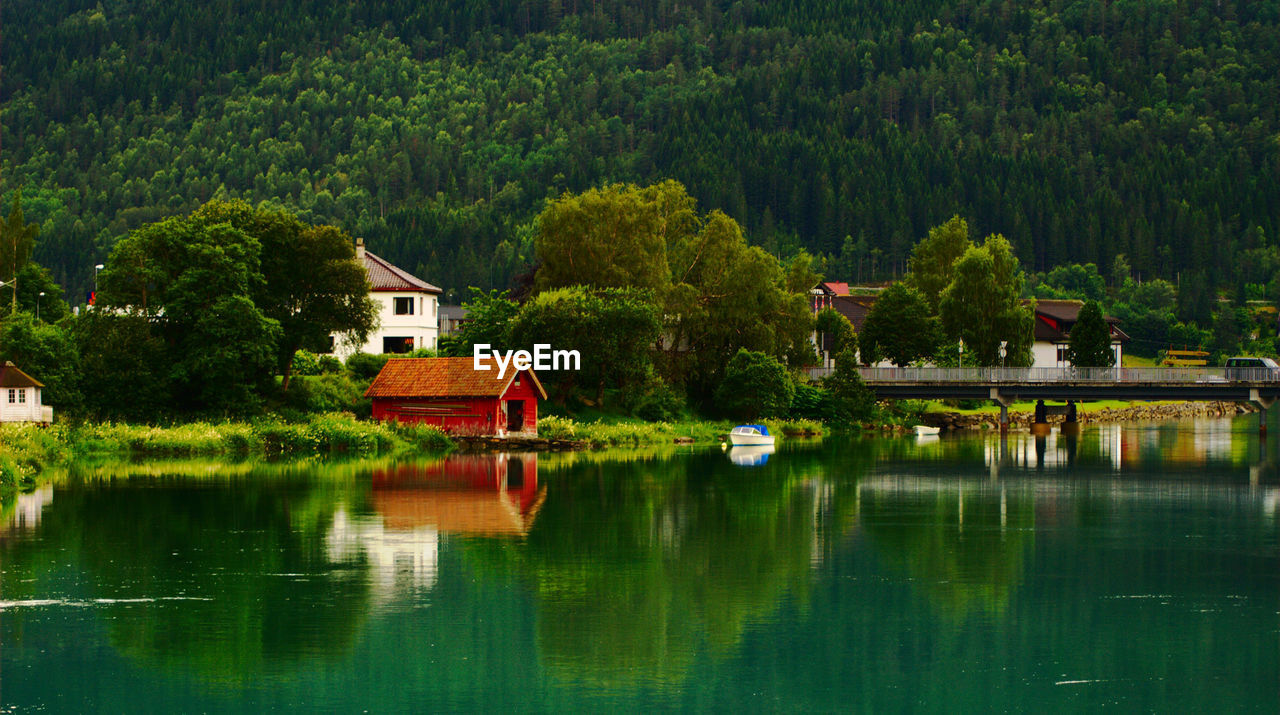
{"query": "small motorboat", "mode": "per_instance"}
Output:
(754, 456)
(926, 430)
(750, 435)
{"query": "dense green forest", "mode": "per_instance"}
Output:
(1080, 130)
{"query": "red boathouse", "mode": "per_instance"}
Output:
(451, 394)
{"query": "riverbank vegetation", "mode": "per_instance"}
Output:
(28, 449)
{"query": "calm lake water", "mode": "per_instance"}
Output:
(1134, 568)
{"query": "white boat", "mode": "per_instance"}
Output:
(923, 430)
(750, 435)
(754, 456)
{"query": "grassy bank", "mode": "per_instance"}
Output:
(26, 450)
(631, 432)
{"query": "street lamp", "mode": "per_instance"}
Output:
(38, 305)
(961, 352)
(95, 281)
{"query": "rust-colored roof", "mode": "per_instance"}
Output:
(386, 277)
(443, 377)
(11, 376)
(482, 513)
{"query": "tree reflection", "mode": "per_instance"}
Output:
(963, 546)
(229, 584)
(637, 565)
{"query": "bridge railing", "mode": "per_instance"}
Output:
(1032, 375)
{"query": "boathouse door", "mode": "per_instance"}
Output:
(515, 415)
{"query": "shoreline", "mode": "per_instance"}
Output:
(1020, 419)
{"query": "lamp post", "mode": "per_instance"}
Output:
(38, 305)
(95, 282)
(961, 352)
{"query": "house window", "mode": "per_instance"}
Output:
(13, 395)
(22, 396)
(404, 306)
(397, 345)
(1062, 355)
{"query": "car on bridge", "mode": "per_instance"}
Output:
(1252, 368)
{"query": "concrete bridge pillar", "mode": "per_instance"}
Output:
(1004, 409)
(1263, 403)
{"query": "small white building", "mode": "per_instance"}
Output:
(20, 397)
(407, 309)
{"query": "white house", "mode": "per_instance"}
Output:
(407, 309)
(20, 397)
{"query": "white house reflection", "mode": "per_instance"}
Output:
(416, 506)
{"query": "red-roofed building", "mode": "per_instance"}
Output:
(451, 394)
(407, 308)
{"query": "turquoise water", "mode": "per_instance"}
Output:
(1134, 568)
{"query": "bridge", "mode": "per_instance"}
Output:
(1005, 385)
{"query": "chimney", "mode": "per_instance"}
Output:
(360, 250)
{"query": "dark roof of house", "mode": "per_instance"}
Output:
(453, 312)
(854, 307)
(11, 376)
(443, 377)
(386, 277)
(1056, 318)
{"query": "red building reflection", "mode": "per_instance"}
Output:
(479, 494)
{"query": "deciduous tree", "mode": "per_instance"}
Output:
(899, 328)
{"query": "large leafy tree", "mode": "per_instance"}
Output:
(931, 265)
(192, 281)
(981, 305)
(311, 284)
(614, 331)
(46, 352)
(1090, 340)
(613, 237)
(716, 293)
(900, 328)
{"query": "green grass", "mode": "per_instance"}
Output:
(26, 450)
(624, 431)
(1128, 360)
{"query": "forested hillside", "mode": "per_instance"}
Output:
(1079, 130)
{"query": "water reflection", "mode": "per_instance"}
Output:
(964, 573)
(414, 504)
(750, 456)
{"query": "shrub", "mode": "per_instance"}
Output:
(366, 366)
(305, 363)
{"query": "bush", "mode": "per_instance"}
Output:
(366, 366)
(327, 393)
(305, 363)
(660, 403)
(330, 365)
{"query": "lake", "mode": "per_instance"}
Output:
(1134, 567)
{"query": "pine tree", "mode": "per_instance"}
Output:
(1090, 341)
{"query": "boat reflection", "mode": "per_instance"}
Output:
(750, 456)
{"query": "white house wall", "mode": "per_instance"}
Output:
(27, 411)
(421, 326)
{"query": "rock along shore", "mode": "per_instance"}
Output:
(1133, 413)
